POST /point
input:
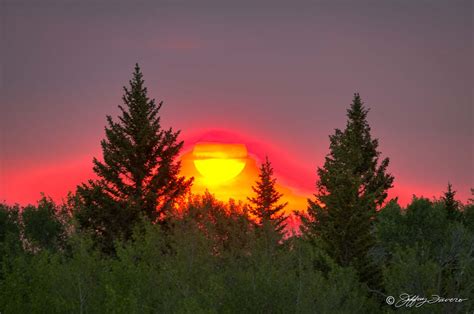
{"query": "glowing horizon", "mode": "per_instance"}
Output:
(296, 175)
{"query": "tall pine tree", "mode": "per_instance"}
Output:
(139, 174)
(352, 185)
(265, 204)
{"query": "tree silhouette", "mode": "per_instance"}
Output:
(139, 173)
(264, 205)
(450, 203)
(351, 186)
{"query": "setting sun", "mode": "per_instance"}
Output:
(219, 162)
(230, 169)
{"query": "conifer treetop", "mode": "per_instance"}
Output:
(139, 173)
(352, 184)
(265, 204)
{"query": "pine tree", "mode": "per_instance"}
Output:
(352, 185)
(265, 204)
(450, 203)
(139, 175)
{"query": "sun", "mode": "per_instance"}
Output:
(229, 170)
(219, 163)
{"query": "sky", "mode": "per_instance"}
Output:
(276, 76)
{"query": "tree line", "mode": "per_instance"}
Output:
(137, 240)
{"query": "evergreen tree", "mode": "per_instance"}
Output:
(264, 205)
(139, 175)
(352, 185)
(450, 204)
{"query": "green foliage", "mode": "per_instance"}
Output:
(10, 243)
(352, 184)
(212, 259)
(468, 213)
(427, 253)
(468, 216)
(9, 222)
(203, 263)
(53, 282)
(227, 226)
(42, 226)
(139, 175)
(415, 224)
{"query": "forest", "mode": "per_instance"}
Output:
(136, 240)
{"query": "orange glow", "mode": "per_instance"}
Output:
(229, 170)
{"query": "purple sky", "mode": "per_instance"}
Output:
(282, 71)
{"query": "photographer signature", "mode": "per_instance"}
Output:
(408, 300)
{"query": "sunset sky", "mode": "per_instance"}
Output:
(275, 77)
